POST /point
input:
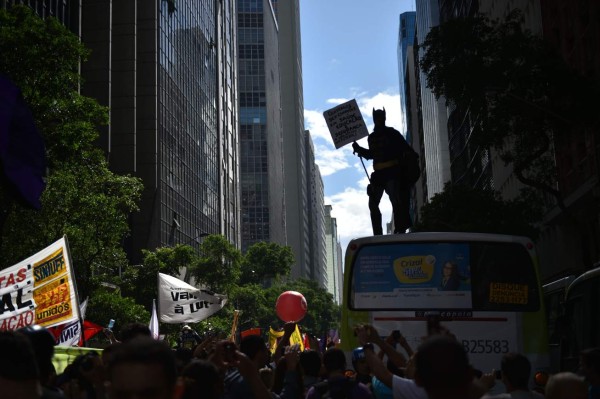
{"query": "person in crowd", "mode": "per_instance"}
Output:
(134, 330)
(311, 365)
(142, 368)
(442, 368)
(281, 372)
(188, 338)
(201, 379)
(361, 367)
(516, 370)
(84, 376)
(566, 385)
(402, 388)
(243, 379)
(337, 384)
(19, 374)
(589, 366)
(43, 343)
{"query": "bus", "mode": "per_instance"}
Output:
(395, 282)
(580, 327)
(554, 301)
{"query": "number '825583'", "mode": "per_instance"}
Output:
(486, 345)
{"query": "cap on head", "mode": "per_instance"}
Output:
(378, 113)
(185, 327)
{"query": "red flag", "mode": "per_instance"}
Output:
(90, 329)
(306, 341)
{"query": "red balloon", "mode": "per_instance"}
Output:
(291, 306)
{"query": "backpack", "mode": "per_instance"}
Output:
(340, 389)
(409, 163)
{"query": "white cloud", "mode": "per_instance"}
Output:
(351, 210)
(337, 101)
(315, 123)
(387, 100)
(330, 160)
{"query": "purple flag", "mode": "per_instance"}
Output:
(22, 151)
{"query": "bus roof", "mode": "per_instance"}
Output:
(594, 273)
(440, 236)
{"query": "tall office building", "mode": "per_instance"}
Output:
(316, 216)
(294, 145)
(334, 257)
(168, 72)
(66, 11)
(410, 105)
(262, 167)
(406, 38)
(433, 111)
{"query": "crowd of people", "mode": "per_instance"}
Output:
(139, 366)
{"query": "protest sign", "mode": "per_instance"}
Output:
(179, 302)
(345, 123)
(39, 290)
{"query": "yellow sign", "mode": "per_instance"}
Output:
(509, 293)
(414, 269)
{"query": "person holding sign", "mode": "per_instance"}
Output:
(396, 170)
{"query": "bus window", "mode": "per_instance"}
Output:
(582, 307)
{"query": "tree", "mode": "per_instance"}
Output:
(461, 208)
(518, 92)
(266, 261)
(141, 281)
(103, 306)
(218, 268)
(83, 198)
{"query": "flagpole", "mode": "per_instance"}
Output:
(72, 276)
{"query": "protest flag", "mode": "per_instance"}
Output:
(179, 302)
(154, 322)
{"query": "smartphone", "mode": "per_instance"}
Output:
(498, 374)
(111, 324)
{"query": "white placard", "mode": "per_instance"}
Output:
(345, 123)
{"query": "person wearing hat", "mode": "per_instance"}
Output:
(188, 338)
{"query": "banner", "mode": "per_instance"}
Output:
(154, 322)
(179, 302)
(69, 334)
(345, 123)
(39, 290)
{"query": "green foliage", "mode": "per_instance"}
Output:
(141, 281)
(219, 266)
(103, 306)
(83, 198)
(517, 91)
(460, 208)
(266, 261)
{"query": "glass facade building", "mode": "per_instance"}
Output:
(262, 203)
(168, 72)
(406, 38)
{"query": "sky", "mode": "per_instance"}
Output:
(349, 51)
